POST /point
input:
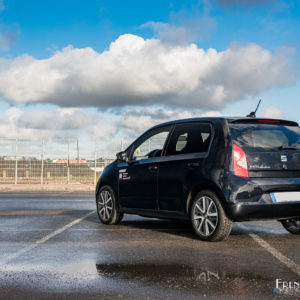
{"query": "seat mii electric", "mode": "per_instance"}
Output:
(212, 171)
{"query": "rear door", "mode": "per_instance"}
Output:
(182, 164)
(272, 150)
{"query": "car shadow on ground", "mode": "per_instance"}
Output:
(183, 228)
(175, 227)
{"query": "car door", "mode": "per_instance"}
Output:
(138, 177)
(183, 164)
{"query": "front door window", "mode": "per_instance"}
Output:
(152, 146)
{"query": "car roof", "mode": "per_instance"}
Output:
(219, 119)
(228, 119)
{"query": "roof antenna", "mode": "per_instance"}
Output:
(253, 113)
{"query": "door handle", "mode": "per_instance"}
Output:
(152, 168)
(193, 165)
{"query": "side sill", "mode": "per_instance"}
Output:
(155, 213)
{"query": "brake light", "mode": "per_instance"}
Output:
(240, 165)
(269, 121)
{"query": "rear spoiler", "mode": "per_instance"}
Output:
(264, 121)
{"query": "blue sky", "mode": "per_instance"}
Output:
(95, 23)
(255, 54)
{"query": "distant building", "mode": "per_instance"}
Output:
(71, 161)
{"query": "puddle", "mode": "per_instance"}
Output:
(135, 278)
(87, 269)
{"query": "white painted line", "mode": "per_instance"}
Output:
(277, 254)
(44, 239)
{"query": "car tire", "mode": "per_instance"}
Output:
(107, 208)
(292, 225)
(208, 217)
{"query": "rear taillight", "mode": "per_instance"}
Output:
(240, 165)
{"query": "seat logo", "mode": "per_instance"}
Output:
(283, 158)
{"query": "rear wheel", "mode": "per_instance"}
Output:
(107, 208)
(208, 217)
(292, 225)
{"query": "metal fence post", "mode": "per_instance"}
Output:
(68, 166)
(42, 166)
(95, 166)
(78, 163)
(16, 166)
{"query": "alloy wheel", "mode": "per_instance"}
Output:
(105, 205)
(205, 216)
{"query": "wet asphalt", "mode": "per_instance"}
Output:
(52, 246)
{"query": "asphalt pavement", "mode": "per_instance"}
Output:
(52, 246)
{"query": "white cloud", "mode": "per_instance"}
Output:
(8, 33)
(57, 128)
(2, 6)
(245, 3)
(35, 124)
(105, 128)
(188, 30)
(62, 119)
(103, 132)
(272, 112)
(171, 33)
(7, 39)
(134, 71)
(133, 122)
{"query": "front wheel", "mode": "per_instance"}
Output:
(107, 208)
(292, 225)
(208, 217)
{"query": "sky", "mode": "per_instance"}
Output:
(104, 71)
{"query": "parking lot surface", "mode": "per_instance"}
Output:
(52, 246)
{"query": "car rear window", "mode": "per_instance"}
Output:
(265, 136)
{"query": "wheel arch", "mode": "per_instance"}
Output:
(206, 186)
(104, 182)
(99, 185)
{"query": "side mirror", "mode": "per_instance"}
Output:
(122, 156)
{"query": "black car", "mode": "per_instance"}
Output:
(212, 171)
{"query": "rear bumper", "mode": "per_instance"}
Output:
(255, 211)
(250, 198)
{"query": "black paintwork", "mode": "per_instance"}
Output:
(165, 186)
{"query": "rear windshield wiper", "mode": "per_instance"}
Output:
(287, 148)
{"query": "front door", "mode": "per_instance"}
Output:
(138, 177)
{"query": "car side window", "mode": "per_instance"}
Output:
(189, 138)
(151, 145)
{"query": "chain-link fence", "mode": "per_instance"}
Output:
(44, 162)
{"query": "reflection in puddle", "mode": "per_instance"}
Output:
(208, 276)
(136, 278)
(188, 278)
(171, 274)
